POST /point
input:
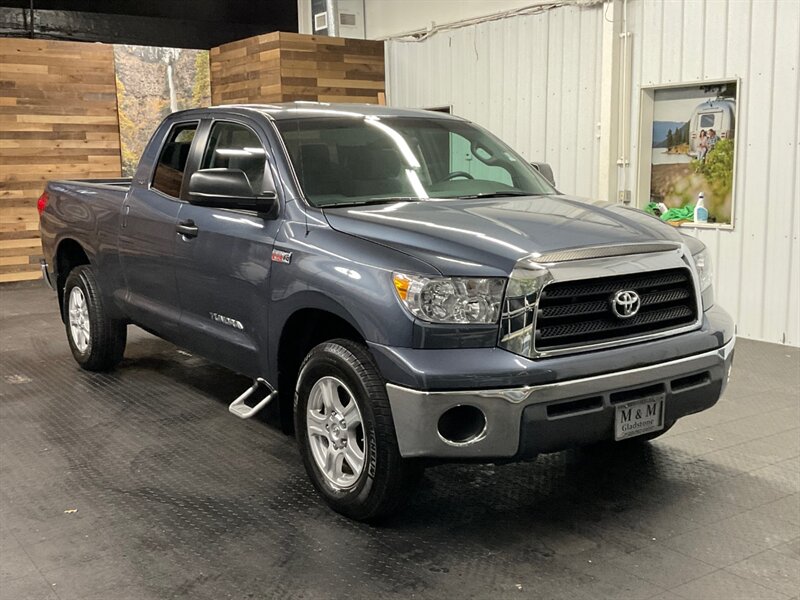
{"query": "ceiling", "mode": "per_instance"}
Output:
(176, 23)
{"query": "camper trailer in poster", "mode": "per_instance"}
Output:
(713, 115)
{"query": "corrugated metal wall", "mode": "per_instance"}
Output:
(532, 80)
(757, 264)
(535, 81)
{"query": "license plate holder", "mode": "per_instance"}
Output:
(638, 417)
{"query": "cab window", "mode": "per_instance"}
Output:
(234, 146)
(168, 175)
(342, 160)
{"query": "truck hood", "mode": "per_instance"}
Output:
(487, 237)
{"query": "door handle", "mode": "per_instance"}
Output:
(187, 229)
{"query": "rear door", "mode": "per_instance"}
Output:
(147, 234)
(222, 269)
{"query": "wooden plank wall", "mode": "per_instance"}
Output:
(283, 67)
(58, 119)
(58, 111)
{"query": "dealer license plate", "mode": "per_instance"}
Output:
(638, 417)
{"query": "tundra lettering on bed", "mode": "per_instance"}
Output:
(404, 286)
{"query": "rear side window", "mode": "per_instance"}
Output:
(233, 146)
(172, 162)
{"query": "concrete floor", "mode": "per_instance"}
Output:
(139, 484)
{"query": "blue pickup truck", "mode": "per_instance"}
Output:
(406, 287)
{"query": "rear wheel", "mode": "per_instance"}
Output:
(346, 434)
(97, 341)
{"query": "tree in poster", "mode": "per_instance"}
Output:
(202, 80)
(718, 168)
(127, 130)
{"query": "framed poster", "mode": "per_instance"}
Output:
(688, 151)
(153, 82)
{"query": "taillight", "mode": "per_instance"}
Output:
(41, 204)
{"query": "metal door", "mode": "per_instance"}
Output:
(147, 234)
(223, 259)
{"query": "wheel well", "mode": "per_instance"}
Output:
(305, 329)
(69, 255)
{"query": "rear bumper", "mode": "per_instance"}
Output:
(524, 421)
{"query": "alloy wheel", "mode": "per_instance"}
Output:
(79, 319)
(335, 432)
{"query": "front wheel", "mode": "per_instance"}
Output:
(97, 341)
(346, 434)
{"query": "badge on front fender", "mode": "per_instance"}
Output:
(279, 256)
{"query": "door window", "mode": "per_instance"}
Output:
(168, 176)
(234, 146)
(464, 158)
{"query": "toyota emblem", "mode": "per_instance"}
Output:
(625, 304)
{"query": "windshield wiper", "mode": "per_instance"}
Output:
(371, 201)
(503, 194)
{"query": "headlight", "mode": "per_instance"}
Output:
(702, 260)
(705, 275)
(451, 299)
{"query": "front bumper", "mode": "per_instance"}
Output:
(524, 421)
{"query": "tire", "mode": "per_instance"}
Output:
(97, 341)
(344, 372)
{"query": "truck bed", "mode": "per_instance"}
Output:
(115, 183)
(85, 211)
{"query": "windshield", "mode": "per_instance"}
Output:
(357, 160)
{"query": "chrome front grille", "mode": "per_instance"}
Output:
(562, 308)
(517, 321)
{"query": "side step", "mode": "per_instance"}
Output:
(242, 410)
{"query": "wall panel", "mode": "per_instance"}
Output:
(58, 119)
(757, 263)
(283, 67)
(533, 80)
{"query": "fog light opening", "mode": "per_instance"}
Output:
(462, 424)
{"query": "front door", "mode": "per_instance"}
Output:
(147, 236)
(222, 267)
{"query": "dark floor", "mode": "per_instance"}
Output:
(139, 484)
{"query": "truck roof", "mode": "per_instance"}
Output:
(303, 109)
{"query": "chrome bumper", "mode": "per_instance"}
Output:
(416, 413)
(46, 273)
